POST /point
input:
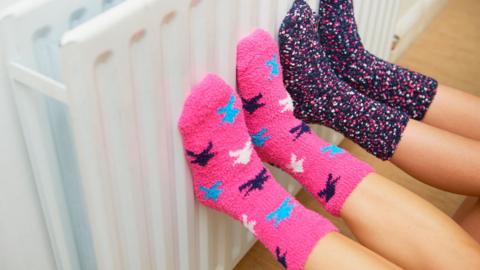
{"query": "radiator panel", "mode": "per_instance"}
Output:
(119, 81)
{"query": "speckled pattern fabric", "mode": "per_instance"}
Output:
(319, 96)
(398, 87)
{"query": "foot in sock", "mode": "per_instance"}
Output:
(229, 176)
(321, 97)
(398, 87)
(325, 170)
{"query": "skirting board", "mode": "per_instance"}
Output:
(413, 22)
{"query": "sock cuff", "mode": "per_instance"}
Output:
(360, 171)
(397, 132)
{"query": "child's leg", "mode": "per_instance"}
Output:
(440, 158)
(468, 216)
(331, 251)
(455, 111)
(406, 229)
(443, 159)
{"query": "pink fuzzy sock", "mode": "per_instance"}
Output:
(229, 177)
(325, 170)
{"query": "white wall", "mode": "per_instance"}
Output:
(6, 3)
(24, 242)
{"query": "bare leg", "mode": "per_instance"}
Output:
(406, 229)
(336, 251)
(455, 111)
(468, 216)
(440, 158)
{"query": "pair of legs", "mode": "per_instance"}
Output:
(407, 230)
(447, 151)
(398, 228)
(219, 129)
(395, 228)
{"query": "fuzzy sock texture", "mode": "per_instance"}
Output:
(398, 87)
(229, 176)
(325, 170)
(321, 97)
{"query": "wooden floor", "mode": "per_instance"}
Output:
(449, 50)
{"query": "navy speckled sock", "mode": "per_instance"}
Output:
(395, 86)
(321, 97)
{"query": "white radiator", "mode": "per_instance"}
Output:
(376, 21)
(99, 101)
